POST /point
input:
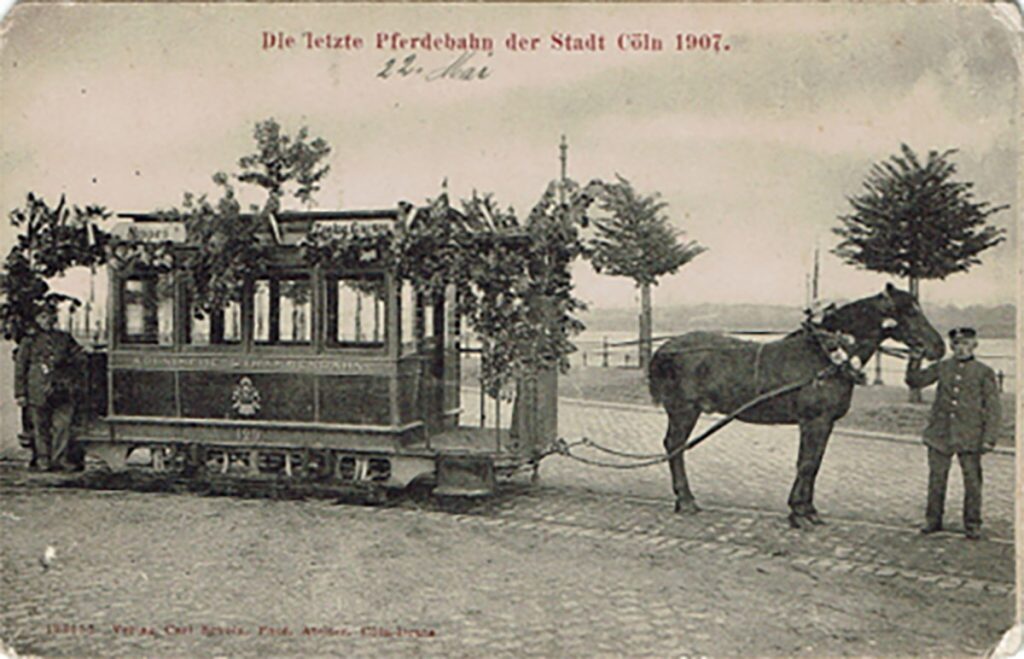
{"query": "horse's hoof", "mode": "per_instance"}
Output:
(687, 507)
(802, 522)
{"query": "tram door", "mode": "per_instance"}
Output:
(452, 384)
(441, 368)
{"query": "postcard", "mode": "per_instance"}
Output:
(437, 329)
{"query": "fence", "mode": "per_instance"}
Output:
(616, 352)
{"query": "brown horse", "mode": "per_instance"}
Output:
(709, 372)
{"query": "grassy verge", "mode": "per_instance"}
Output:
(874, 408)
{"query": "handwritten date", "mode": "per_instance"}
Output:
(458, 69)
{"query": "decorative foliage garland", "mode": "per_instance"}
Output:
(513, 283)
(227, 250)
(226, 253)
(51, 241)
(23, 291)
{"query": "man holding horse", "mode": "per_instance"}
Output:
(964, 421)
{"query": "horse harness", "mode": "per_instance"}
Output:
(837, 346)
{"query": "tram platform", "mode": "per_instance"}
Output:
(473, 440)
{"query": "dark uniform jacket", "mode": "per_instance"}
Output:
(48, 368)
(965, 415)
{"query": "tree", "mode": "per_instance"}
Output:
(228, 249)
(282, 161)
(638, 241)
(914, 220)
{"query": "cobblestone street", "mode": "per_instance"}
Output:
(748, 466)
(586, 562)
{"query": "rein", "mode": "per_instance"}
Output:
(561, 447)
(757, 367)
(901, 353)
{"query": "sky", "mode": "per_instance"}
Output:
(756, 149)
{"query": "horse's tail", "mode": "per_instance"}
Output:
(661, 376)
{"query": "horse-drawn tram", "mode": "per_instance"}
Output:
(343, 375)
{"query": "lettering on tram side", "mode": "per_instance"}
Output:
(247, 363)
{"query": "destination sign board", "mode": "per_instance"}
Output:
(341, 226)
(150, 232)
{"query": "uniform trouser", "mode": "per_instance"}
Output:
(52, 427)
(938, 475)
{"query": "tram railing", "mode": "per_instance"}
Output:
(523, 417)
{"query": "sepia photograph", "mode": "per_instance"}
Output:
(511, 329)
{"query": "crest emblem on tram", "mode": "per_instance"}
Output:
(245, 399)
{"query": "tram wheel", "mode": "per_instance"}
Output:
(194, 459)
(377, 496)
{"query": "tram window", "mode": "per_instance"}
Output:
(147, 310)
(282, 310)
(427, 317)
(451, 318)
(261, 311)
(219, 328)
(356, 311)
(407, 312)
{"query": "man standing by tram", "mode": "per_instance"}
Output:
(964, 421)
(48, 365)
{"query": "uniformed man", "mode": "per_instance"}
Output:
(964, 421)
(48, 364)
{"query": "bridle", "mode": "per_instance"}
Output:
(894, 330)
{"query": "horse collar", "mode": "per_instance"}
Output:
(838, 348)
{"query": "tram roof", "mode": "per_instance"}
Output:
(287, 216)
(294, 224)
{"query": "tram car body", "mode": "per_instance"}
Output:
(345, 376)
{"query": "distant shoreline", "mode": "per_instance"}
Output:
(993, 322)
(661, 331)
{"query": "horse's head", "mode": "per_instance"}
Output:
(906, 323)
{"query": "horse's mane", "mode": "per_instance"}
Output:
(850, 316)
(845, 318)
